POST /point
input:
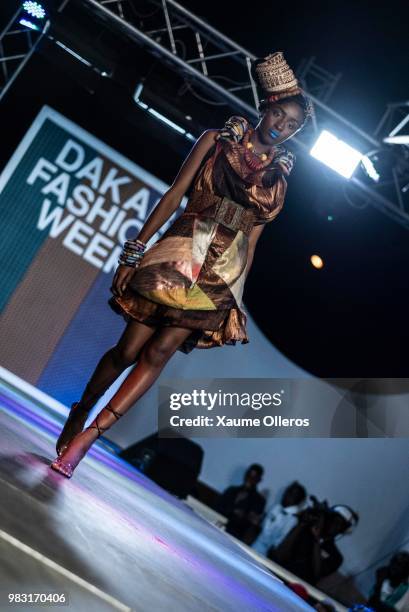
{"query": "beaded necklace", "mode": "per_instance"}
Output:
(255, 161)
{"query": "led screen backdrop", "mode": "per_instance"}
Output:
(67, 203)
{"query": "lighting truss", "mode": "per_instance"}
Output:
(397, 111)
(210, 62)
(393, 131)
(203, 56)
(18, 42)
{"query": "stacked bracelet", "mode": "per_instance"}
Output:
(132, 253)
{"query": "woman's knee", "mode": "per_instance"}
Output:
(124, 355)
(157, 352)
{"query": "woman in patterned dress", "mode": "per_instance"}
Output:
(186, 292)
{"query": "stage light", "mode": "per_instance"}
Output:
(34, 9)
(370, 168)
(73, 53)
(158, 115)
(138, 91)
(403, 139)
(168, 122)
(28, 24)
(317, 261)
(336, 154)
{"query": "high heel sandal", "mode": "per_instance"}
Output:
(67, 469)
(66, 436)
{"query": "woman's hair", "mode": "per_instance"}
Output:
(299, 99)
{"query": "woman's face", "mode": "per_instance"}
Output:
(280, 122)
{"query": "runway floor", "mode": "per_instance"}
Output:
(110, 538)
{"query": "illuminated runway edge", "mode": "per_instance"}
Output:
(110, 538)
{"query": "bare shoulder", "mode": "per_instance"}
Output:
(211, 132)
(209, 136)
(205, 141)
(193, 161)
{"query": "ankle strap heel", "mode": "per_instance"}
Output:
(117, 415)
(100, 429)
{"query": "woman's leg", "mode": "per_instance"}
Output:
(155, 354)
(117, 359)
(109, 367)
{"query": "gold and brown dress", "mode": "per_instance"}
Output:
(193, 276)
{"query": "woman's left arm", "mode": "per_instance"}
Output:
(254, 236)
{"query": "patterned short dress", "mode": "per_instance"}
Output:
(193, 275)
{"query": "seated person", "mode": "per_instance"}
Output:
(281, 518)
(243, 505)
(391, 590)
(309, 549)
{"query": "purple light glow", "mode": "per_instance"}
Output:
(195, 543)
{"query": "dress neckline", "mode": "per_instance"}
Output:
(234, 152)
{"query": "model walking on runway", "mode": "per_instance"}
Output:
(185, 291)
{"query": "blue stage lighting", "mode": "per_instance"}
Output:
(28, 24)
(34, 9)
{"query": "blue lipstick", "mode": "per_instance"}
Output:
(273, 134)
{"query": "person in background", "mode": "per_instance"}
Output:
(391, 589)
(243, 505)
(281, 518)
(309, 549)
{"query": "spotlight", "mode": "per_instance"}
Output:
(336, 154)
(28, 24)
(316, 261)
(34, 9)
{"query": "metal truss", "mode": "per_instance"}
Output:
(393, 156)
(210, 62)
(316, 80)
(396, 111)
(204, 56)
(17, 44)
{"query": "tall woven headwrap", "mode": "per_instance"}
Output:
(277, 81)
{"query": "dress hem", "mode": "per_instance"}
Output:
(200, 338)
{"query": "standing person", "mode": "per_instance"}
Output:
(186, 291)
(281, 518)
(243, 505)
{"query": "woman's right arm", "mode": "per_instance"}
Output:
(169, 202)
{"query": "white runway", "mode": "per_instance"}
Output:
(110, 538)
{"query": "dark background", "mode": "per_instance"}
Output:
(347, 320)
